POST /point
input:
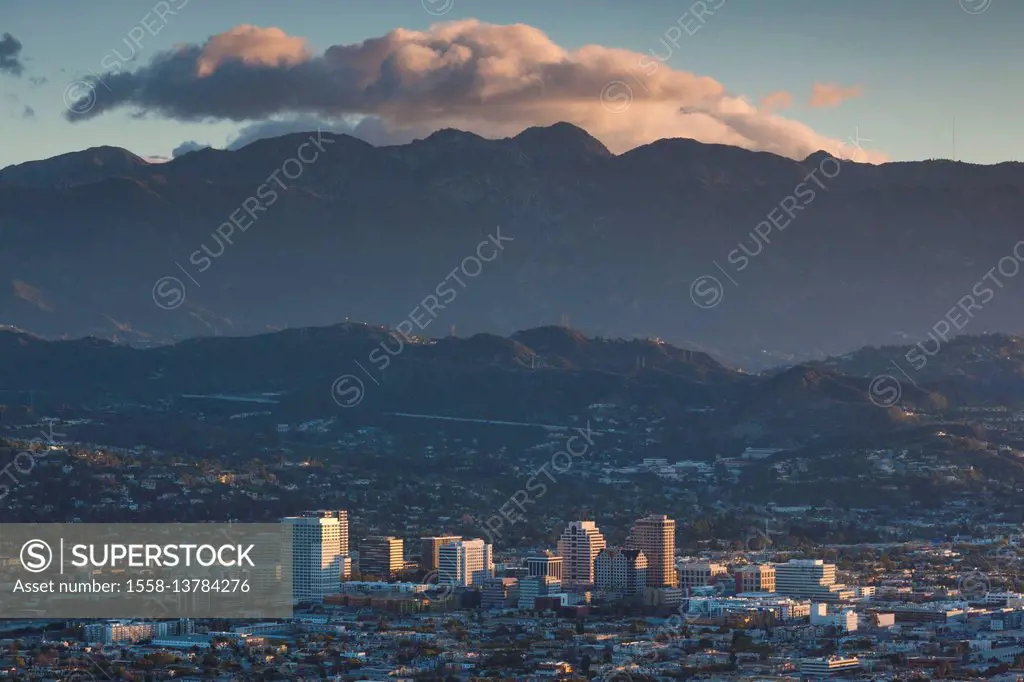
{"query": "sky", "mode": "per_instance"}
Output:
(908, 80)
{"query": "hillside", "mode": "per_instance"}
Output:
(622, 246)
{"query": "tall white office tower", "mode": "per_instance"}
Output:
(316, 557)
(342, 516)
(465, 562)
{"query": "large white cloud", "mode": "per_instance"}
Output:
(489, 79)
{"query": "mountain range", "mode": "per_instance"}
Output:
(744, 255)
(545, 375)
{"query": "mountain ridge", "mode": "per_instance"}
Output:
(614, 242)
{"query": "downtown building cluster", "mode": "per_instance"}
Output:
(322, 560)
(645, 570)
(727, 613)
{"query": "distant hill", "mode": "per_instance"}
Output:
(620, 245)
(291, 359)
(986, 369)
(542, 375)
(75, 168)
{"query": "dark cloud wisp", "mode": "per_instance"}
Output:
(10, 49)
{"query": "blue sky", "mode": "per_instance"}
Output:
(917, 64)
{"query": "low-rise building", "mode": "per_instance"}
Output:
(831, 666)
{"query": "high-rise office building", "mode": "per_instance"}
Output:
(316, 559)
(430, 548)
(545, 565)
(810, 578)
(464, 563)
(342, 516)
(381, 555)
(655, 535)
(621, 570)
(579, 546)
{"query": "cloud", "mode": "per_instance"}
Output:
(10, 48)
(488, 79)
(38, 80)
(253, 46)
(774, 101)
(30, 294)
(29, 112)
(186, 147)
(370, 129)
(830, 95)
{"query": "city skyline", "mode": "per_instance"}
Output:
(464, 340)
